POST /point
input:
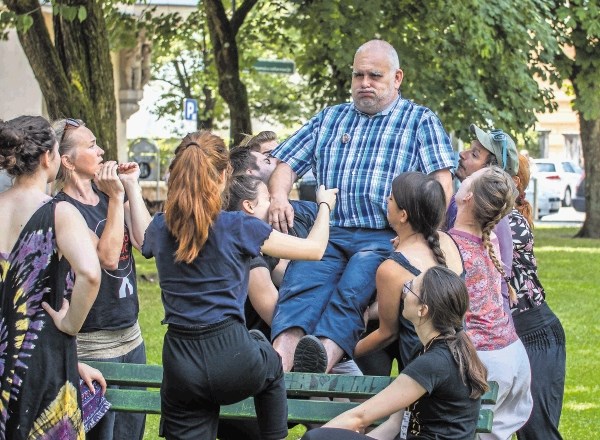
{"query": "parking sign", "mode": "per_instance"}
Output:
(190, 109)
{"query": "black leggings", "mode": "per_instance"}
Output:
(219, 365)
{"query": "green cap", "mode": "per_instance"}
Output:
(501, 145)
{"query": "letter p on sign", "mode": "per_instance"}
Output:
(190, 109)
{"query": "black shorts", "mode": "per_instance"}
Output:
(219, 365)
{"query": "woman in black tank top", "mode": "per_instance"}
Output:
(416, 210)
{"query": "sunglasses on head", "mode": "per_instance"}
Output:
(70, 123)
(500, 136)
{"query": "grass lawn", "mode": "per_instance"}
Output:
(570, 271)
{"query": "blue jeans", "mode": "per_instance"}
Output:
(121, 425)
(327, 298)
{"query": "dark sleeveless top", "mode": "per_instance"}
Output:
(408, 341)
(39, 381)
(116, 306)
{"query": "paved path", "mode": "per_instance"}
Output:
(564, 217)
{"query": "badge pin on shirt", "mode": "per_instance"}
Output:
(345, 138)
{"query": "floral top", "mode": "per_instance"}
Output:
(524, 280)
(488, 325)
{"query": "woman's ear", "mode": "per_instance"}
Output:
(46, 159)
(66, 162)
(468, 196)
(247, 207)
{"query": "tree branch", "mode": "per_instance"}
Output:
(47, 69)
(240, 15)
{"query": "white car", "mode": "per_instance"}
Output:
(559, 176)
(548, 201)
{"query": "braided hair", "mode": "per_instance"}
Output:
(22, 141)
(423, 199)
(494, 194)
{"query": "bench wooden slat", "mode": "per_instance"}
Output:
(296, 384)
(299, 410)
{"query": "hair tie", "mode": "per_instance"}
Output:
(193, 143)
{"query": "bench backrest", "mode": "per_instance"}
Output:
(301, 386)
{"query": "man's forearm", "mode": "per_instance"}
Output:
(281, 181)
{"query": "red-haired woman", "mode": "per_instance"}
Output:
(202, 254)
(536, 324)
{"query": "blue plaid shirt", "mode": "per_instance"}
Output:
(361, 155)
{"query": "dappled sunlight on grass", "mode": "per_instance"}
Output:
(585, 250)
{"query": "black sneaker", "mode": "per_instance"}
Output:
(258, 335)
(310, 356)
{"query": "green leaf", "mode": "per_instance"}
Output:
(82, 13)
(25, 22)
(69, 12)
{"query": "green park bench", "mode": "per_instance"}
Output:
(300, 388)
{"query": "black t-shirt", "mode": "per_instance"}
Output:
(215, 285)
(116, 306)
(253, 320)
(305, 214)
(445, 411)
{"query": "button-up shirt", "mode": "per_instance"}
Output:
(361, 154)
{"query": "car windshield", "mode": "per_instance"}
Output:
(545, 167)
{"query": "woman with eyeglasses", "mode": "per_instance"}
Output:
(109, 197)
(39, 238)
(482, 200)
(203, 255)
(437, 394)
(415, 211)
(536, 324)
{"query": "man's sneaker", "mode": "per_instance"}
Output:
(310, 356)
(258, 335)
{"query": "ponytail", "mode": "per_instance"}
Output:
(194, 197)
(447, 299)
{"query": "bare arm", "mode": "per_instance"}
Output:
(389, 429)
(137, 216)
(309, 248)
(281, 213)
(398, 395)
(262, 293)
(445, 178)
(75, 244)
(389, 288)
(89, 374)
(111, 242)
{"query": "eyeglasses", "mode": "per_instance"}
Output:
(500, 136)
(69, 123)
(406, 288)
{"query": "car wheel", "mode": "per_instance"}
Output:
(567, 200)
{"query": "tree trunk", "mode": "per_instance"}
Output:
(75, 73)
(590, 142)
(231, 88)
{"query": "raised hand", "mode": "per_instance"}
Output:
(129, 171)
(107, 180)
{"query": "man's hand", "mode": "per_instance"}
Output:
(281, 214)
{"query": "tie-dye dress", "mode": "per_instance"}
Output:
(39, 392)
